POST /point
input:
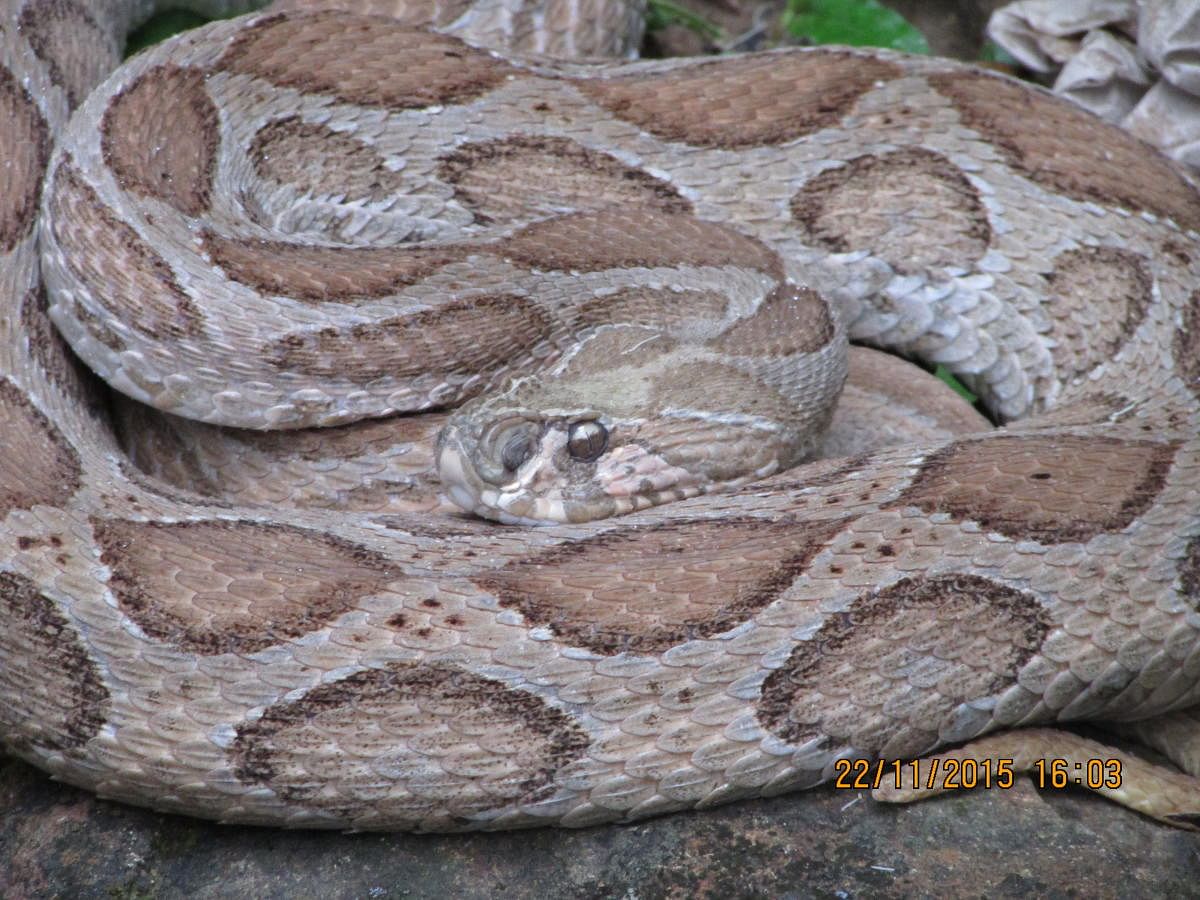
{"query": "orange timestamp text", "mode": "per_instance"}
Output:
(950, 773)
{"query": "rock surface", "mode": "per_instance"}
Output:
(56, 841)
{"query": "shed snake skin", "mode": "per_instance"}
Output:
(299, 219)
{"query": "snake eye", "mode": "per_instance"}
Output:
(587, 440)
(517, 450)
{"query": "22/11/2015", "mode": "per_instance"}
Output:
(966, 774)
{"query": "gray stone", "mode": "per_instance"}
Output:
(56, 841)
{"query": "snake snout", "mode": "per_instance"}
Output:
(473, 457)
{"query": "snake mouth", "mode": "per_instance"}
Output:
(457, 475)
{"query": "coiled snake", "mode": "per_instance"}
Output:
(299, 219)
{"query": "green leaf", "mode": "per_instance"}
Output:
(943, 373)
(860, 23)
(661, 13)
(993, 52)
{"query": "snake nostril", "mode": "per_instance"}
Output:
(517, 449)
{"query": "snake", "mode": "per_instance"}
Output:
(333, 263)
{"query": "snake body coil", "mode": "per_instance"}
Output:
(298, 219)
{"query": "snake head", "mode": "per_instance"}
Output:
(517, 466)
(630, 420)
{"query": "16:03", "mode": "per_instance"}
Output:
(1091, 773)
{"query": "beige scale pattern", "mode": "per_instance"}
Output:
(301, 219)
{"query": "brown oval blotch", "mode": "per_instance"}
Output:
(743, 101)
(55, 697)
(413, 746)
(320, 161)
(54, 356)
(640, 236)
(644, 589)
(1098, 298)
(25, 150)
(160, 134)
(534, 176)
(234, 587)
(321, 274)
(912, 208)
(1047, 488)
(790, 320)
(662, 309)
(76, 51)
(1067, 149)
(38, 466)
(363, 59)
(120, 270)
(163, 455)
(962, 636)
(480, 335)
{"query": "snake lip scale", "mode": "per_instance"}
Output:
(636, 282)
